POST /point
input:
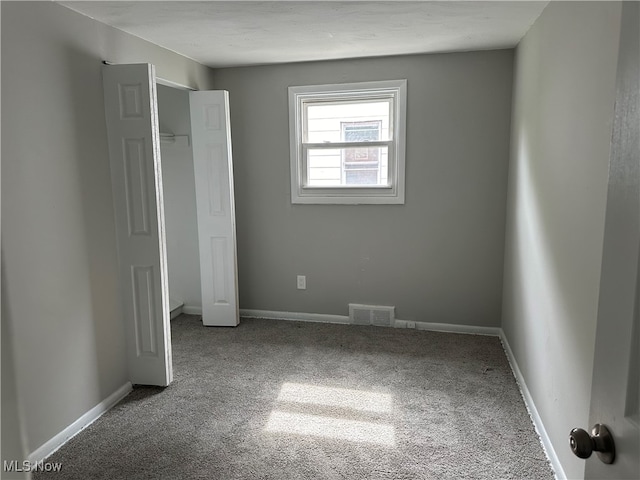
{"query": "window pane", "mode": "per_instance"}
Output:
(347, 166)
(361, 131)
(361, 177)
(347, 121)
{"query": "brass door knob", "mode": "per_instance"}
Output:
(583, 444)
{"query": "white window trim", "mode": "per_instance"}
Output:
(348, 194)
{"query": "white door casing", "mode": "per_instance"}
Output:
(213, 168)
(134, 150)
(615, 395)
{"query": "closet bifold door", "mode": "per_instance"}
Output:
(213, 168)
(134, 152)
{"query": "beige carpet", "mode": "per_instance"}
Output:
(291, 400)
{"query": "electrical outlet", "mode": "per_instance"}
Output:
(302, 282)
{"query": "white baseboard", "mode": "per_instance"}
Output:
(80, 424)
(343, 319)
(300, 317)
(533, 411)
(192, 309)
(451, 328)
(176, 312)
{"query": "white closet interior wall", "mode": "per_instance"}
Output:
(180, 200)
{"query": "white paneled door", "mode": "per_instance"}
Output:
(615, 395)
(212, 162)
(134, 150)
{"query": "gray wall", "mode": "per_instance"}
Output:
(12, 441)
(439, 257)
(563, 106)
(58, 236)
(179, 199)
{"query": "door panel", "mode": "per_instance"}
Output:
(213, 168)
(134, 151)
(614, 397)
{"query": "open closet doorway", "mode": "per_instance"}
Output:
(180, 214)
(198, 204)
(131, 109)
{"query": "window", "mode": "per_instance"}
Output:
(347, 142)
(361, 166)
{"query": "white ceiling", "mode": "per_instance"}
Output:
(236, 33)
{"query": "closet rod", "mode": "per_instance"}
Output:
(175, 139)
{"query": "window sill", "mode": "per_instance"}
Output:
(325, 190)
(348, 196)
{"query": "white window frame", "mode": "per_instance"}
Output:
(393, 193)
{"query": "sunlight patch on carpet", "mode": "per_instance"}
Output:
(357, 403)
(337, 428)
(336, 397)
